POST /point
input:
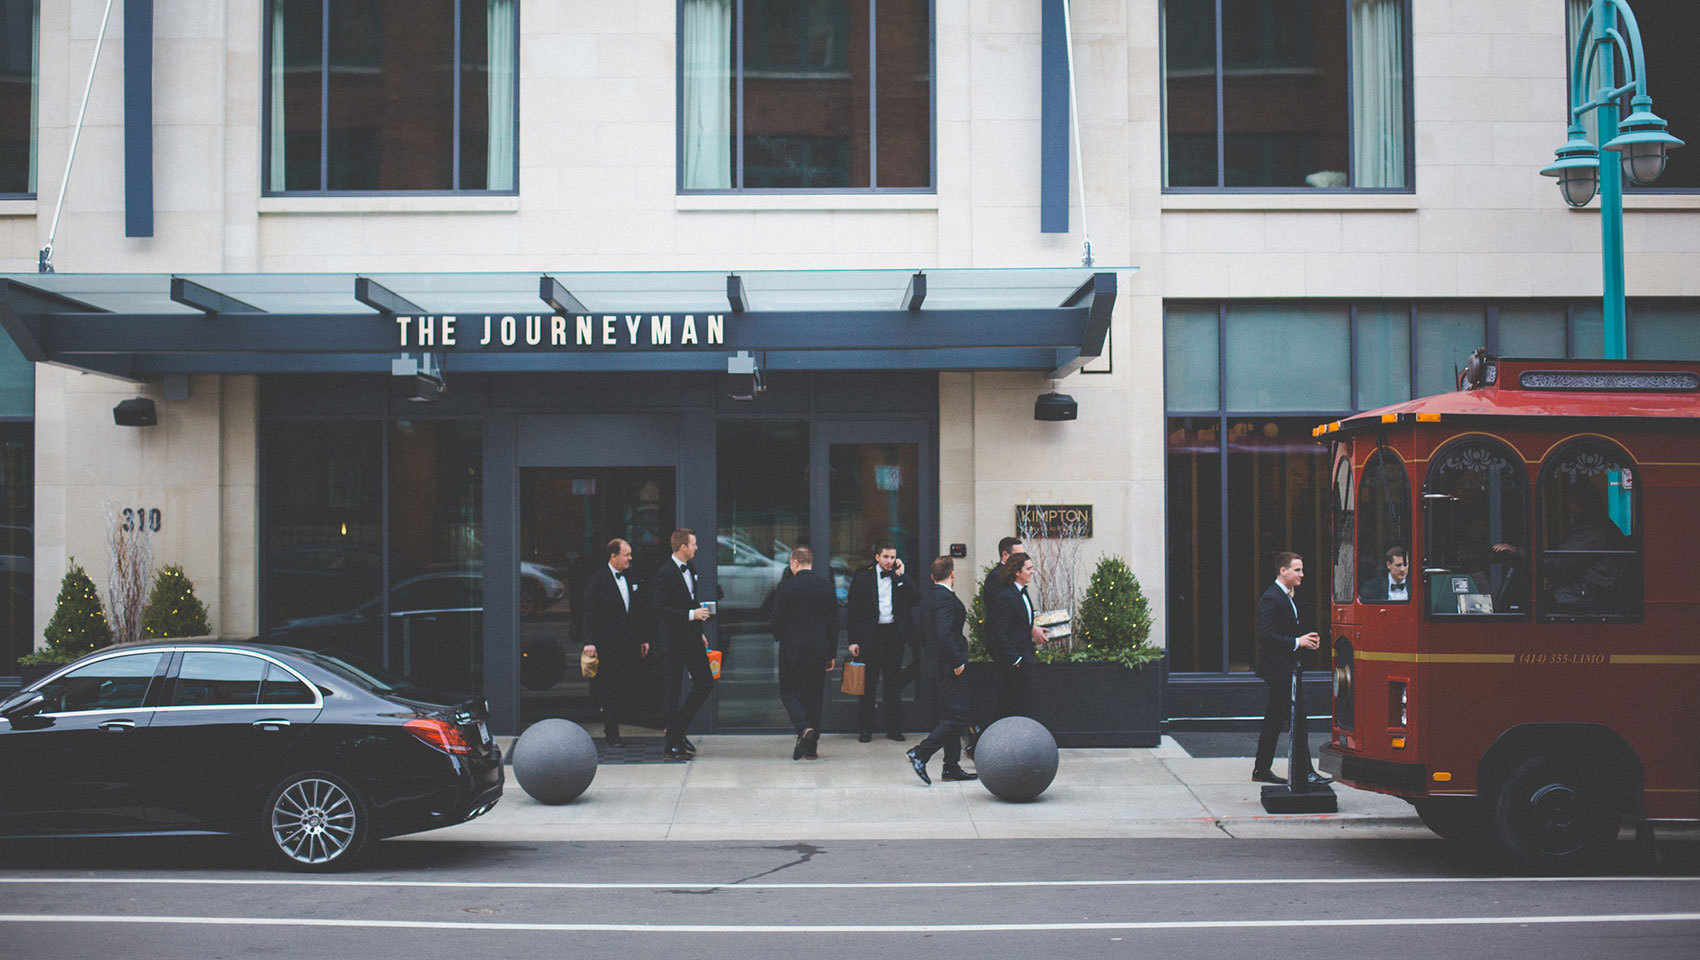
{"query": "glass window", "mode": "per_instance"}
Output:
(1195, 544)
(1665, 331)
(1383, 355)
(115, 683)
(1588, 521)
(812, 95)
(1341, 503)
(1191, 380)
(225, 679)
(1279, 478)
(1286, 94)
(1668, 33)
(436, 510)
(1446, 336)
(1532, 331)
(1476, 501)
(19, 55)
(1384, 524)
(1285, 357)
(1587, 331)
(17, 542)
(282, 687)
(391, 96)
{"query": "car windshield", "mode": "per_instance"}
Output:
(375, 678)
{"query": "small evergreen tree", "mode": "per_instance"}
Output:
(78, 624)
(1114, 621)
(977, 620)
(173, 610)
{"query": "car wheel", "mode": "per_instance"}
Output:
(1551, 817)
(315, 821)
(1451, 818)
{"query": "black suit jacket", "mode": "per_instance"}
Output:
(1277, 628)
(805, 617)
(673, 601)
(606, 621)
(940, 618)
(863, 607)
(1009, 628)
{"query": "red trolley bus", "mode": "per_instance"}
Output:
(1516, 604)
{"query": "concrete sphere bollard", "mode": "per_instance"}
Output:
(1016, 759)
(554, 761)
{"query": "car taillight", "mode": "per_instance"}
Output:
(439, 734)
(1398, 704)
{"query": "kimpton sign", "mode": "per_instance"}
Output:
(578, 332)
(1054, 520)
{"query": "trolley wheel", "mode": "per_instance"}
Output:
(1451, 818)
(1554, 815)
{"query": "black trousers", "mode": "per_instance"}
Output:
(950, 694)
(613, 686)
(1286, 700)
(884, 660)
(802, 688)
(693, 659)
(1014, 699)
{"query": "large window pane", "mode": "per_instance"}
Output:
(1279, 476)
(1191, 380)
(1378, 93)
(1195, 545)
(1384, 518)
(1284, 93)
(1288, 357)
(17, 542)
(805, 93)
(1446, 336)
(1588, 521)
(1532, 331)
(1587, 331)
(1668, 31)
(18, 41)
(17, 381)
(324, 536)
(905, 94)
(436, 616)
(1384, 355)
(1665, 331)
(1189, 92)
(297, 89)
(1477, 546)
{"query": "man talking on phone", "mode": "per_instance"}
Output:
(881, 618)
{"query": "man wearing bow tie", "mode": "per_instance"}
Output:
(1011, 635)
(605, 627)
(880, 609)
(684, 649)
(1394, 586)
(1279, 646)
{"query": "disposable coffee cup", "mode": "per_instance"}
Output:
(711, 606)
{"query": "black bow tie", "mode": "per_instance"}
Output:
(618, 575)
(691, 566)
(887, 574)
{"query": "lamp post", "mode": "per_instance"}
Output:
(1608, 33)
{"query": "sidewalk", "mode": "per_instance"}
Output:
(748, 788)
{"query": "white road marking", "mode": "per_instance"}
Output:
(740, 928)
(869, 885)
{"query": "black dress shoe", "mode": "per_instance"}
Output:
(920, 767)
(957, 773)
(1318, 779)
(613, 740)
(894, 735)
(1267, 776)
(676, 752)
(797, 751)
(865, 738)
(811, 741)
(687, 744)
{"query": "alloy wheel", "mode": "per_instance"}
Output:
(313, 821)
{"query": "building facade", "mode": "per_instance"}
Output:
(1303, 209)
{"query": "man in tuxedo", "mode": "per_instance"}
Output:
(940, 617)
(881, 614)
(805, 623)
(684, 649)
(1011, 635)
(1278, 644)
(606, 629)
(1006, 546)
(1395, 585)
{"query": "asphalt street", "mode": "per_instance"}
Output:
(947, 898)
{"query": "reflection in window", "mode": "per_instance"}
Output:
(1384, 524)
(225, 679)
(115, 683)
(1288, 357)
(379, 112)
(1446, 335)
(282, 687)
(1278, 477)
(436, 510)
(1195, 544)
(1340, 508)
(19, 78)
(1477, 505)
(1590, 564)
(17, 539)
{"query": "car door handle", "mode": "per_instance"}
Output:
(116, 726)
(270, 726)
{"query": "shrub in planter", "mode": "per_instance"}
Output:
(1113, 623)
(977, 621)
(172, 609)
(78, 625)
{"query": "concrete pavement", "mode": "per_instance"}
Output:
(745, 787)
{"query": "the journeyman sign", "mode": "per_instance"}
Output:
(582, 331)
(1053, 520)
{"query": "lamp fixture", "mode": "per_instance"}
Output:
(1643, 142)
(1577, 168)
(744, 377)
(419, 379)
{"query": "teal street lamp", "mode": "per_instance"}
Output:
(1608, 33)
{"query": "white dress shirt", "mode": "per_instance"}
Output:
(882, 585)
(625, 591)
(1399, 591)
(690, 582)
(1295, 604)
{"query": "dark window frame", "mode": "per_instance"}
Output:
(1387, 459)
(738, 73)
(1635, 570)
(1519, 483)
(1410, 186)
(325, 64)
(35, 107)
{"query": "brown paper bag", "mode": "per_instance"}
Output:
(587, 664)
(855, 678)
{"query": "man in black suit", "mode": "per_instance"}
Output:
(1011, 635)
(940, 618)
(1278, 644)
(1006, 547)
(679, 622)
(1395, 586)
(881, 614)
(606, 629)
(805, 623)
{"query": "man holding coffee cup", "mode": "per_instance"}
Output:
(684, 648)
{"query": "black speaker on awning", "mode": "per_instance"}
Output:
(135, 412)
(1055, 406)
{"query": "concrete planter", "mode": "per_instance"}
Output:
(1085, 704)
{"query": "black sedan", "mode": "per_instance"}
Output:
(313, 753)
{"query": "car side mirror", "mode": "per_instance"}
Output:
(21, 705)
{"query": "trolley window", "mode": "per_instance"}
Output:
(1340, 509)
(1476, 501)
(1384, 517)
(1588, 524)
